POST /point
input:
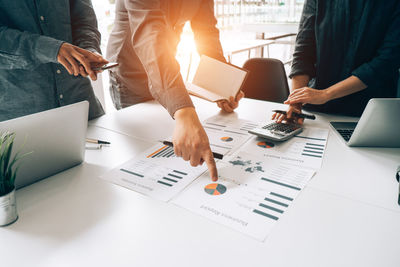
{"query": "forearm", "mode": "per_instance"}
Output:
(346, 87)
(24, 50)
(186, 113)
(300, 81)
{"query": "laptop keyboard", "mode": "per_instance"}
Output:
(346, 134)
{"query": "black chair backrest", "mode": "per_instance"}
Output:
(266, 80)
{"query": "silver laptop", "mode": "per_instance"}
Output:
(55, 137)
(379, 125)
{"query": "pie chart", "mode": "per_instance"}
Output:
(226, 139)
(265, 144)
(215, 189)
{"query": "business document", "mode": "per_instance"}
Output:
(250, 196)
(156, 173)
(227, 134)
(306, 149)
(258, 180)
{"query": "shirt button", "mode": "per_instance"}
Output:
(41, 18)
(61, 96)
(58, 71)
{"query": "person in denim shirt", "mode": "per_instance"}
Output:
(46, 50)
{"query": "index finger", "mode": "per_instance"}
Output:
(81, 58)
(212, 167)
(93, 57)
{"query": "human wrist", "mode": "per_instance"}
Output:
(185, 113)
(329, 94)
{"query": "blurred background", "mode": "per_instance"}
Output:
(248, 28)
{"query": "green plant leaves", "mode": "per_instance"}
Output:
(7, 175)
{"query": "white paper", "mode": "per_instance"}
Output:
(157, 173)
(227, 134)
(304, 150)
(215, 80)
(250, 196)
(203, 93)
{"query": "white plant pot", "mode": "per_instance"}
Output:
(8, 209)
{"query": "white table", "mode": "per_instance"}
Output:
(346, 216)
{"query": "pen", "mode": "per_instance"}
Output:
(215, 155)
(398, 178)
(94, 147)
(299, 115)
(95, 141)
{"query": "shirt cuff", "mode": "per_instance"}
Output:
(175, 99)
(47, 49)
(366, 74)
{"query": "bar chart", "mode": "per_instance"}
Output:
(163, 152)
(251, 202)
(156, 172)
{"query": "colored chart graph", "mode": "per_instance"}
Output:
(163, 152)
(226, 139)
(265, 144)
(215, 189)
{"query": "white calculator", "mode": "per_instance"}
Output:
(277, 131)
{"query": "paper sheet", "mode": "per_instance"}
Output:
(203, 93)
(304, 150)
(157, 173)
(227, 134)
(251, 195)
(215, 80)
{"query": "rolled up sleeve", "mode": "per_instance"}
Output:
(304, 56)
(151, 41)
(385, 65)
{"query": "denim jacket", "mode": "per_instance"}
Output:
(31, 33)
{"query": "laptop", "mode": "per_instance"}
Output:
(378, 126)
(55, 137)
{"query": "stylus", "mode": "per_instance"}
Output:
(298, 115)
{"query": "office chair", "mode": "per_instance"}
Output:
(266, 80)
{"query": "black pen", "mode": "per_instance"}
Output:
(298, 115)
(398, 180)
(95, 141)
(215, 155)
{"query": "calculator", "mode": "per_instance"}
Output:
(277, 131)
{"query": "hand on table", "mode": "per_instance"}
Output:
(191, 141)
(307, 95)
(229, 106)
(289, 115)
(77, 61)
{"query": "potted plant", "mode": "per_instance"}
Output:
(8, 171)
